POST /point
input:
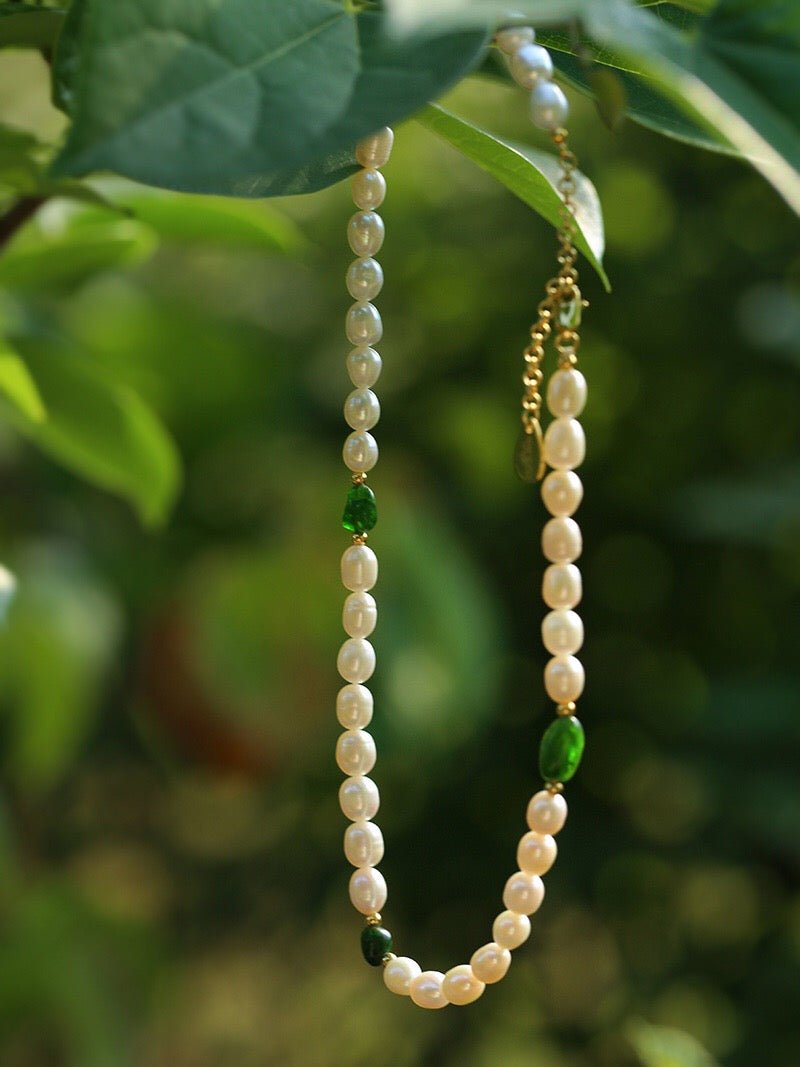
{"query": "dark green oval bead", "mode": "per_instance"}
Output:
(360, 511)
(376, 941)
(561, 749)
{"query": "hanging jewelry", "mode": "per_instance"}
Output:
(561, 448)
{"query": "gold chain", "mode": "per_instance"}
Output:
(560, 310)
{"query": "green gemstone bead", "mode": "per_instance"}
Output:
(376, 941)
(360, 511)
(561, 749)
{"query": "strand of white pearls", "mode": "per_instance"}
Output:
(562, 629)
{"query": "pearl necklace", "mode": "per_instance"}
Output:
(562, 448)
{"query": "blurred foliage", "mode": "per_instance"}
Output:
(172, 890)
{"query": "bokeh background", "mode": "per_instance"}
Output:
(172, 889)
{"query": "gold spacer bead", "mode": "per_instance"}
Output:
(554, 787)
(566, 709)
(359, 539)
(374, 919)
(359, 477)
(388, 958)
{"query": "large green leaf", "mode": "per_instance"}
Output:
(736, 74)
(17, 385)
(97, 427)
(529, 173)
(29, 26)
(230, 96)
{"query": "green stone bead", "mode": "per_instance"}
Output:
(376, 941)
(360, 511)
(561, 749)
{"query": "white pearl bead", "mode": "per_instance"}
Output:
(359, 614)
(562, 492)
(364, 278)
(490, 962)
(362, 409)
(368, 890)
(399, 973)
(564, 444)
(562, 632)
(365, 232)
(374, 150)
(356, 752)
(460, 985)
(363, 324)
(512, 38)
(360, 452)
(547, 812)
(369, 189)
(426, 990)
(364, 366)
(531, 64)
(566, 393)
(363, 844)
(523, 893)
(354, 706)
(510, 929)
(356, 660)
(562, 586)
(549, 106)
(359, 798)
(536, 853)
(561, 539)
(359, 568)
(564, 679)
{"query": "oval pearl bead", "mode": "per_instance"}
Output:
(523, 894)
(354, 706)
(364, 366)
(356, 660)
(359, 568)
(399, 973)
(510, 39)
(362, 409)
(374, 150)
(549, 106)
(363, 324)
(566, 393)
(359, 798)
(562, 632)
(564, 679)
(547, 813)
(359, 614)
(564, 444)
(561, 540)
(365, 233)
(460, 985)
(364, 278)
(531, 64)
(363, 844)
(490, 962)
(369, 189)
(368, 890)
(536, 853)
(510, 930)
(427, 990)
(356, 752)
(360, 452)
(562, 586)
(562, 492)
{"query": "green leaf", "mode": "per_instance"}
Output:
(98, 428)
(663, 1046)
(28, 26)
(234, 98)
(528, 173)
(735, 74)
(17, 385)
(65, 244)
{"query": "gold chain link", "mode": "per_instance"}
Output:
(560, 311)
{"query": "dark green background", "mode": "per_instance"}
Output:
(172, 887)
